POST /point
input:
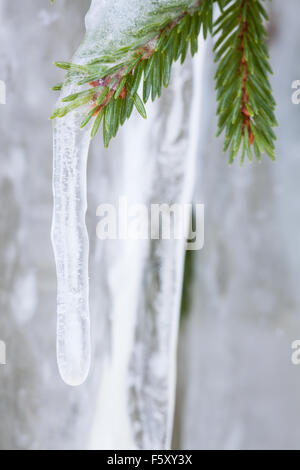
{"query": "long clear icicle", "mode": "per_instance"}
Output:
(152, 370)
(137, 392)
(69, 233)
(71, 249)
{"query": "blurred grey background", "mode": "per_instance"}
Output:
(237, 388)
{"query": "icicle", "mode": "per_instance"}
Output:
(137, 393)
(69, 233)
(71, 248)
(152, 371)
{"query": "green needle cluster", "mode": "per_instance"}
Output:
(245, 102)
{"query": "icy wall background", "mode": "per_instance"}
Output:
(236, 385)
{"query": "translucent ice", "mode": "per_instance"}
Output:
(71, 248)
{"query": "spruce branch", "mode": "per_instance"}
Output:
(108, 85)
(113, 89)
(245, 102)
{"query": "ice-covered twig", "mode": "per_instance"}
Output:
(151, 36)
